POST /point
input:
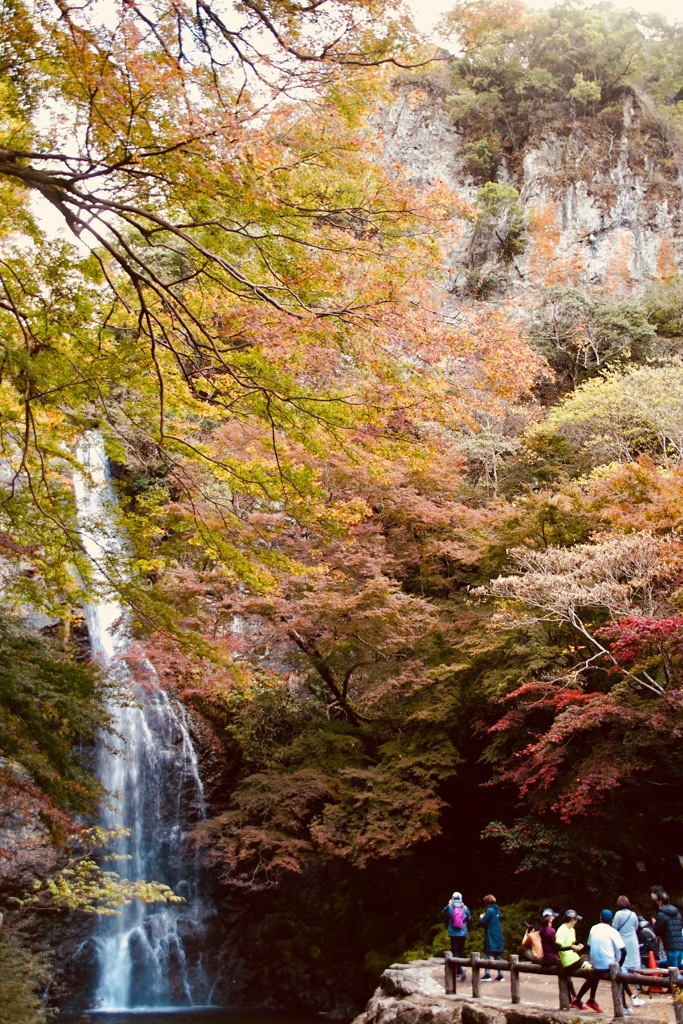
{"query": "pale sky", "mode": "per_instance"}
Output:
(426, 12)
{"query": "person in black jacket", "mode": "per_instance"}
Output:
(669, 926)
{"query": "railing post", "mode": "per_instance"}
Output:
(449, 974)
(476, 979)
(675, 982)
(563, 986)
(617, 989)
(514, 979)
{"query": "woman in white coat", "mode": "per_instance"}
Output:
(626, 923)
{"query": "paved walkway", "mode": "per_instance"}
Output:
(541, 990)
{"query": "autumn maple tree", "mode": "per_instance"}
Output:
(231, 258)
(409, 547)
(588, 716)
(231, 245)
(243, 299)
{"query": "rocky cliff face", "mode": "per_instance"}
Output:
(602, 196)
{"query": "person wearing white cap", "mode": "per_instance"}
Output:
(549, 957)
(457, 915)
(569, 951)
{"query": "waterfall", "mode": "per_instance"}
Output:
(149, 955)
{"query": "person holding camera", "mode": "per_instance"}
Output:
(494, 943)
(531, 943)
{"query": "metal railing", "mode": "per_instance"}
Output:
(668, 979)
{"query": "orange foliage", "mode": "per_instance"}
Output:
(499, 360)
(474, 23)
(638, 495)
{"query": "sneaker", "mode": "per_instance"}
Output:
(627, 1011)
(578, 1004)
(592, 1005)
(501, 977)
(487, 977)
(635, 1001)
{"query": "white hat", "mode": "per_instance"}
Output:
(456, 896)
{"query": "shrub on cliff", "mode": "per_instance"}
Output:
(50, 707)
(519, 71)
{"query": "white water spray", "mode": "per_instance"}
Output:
(149, 955)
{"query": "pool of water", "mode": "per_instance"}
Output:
(193, 1016)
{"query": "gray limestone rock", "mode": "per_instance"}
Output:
(603, 202)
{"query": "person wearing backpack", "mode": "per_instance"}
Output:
(457, 915)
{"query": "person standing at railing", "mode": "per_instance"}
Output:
(494, 944)
(669, 926)
(457, 915)
(626, 923)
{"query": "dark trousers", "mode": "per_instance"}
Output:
(496, 954)
(458, 949)
(592, 984)
(570, 984)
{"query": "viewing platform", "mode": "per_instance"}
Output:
(415, 993)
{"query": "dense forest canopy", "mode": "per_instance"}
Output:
(420, 569)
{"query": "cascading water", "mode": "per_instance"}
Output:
(149, 955)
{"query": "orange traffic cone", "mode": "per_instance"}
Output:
(652, 966)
